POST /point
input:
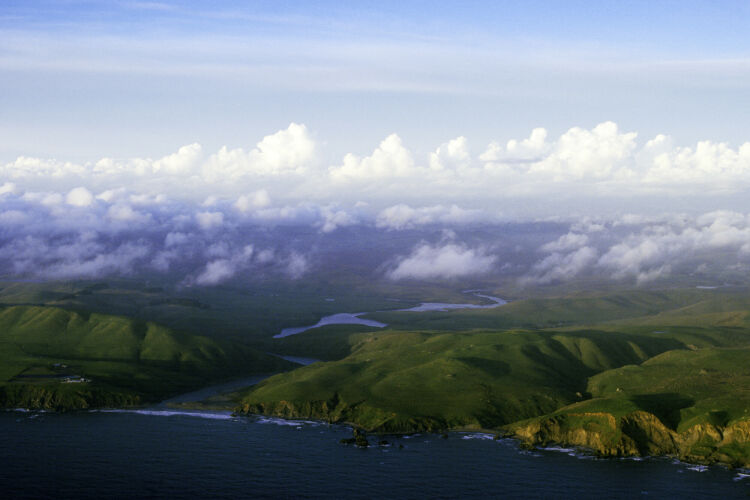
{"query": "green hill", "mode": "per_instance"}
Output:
(651, 373)
(123, 359)
(398, 381)
(694, 404)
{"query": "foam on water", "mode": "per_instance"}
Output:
(173, 413)
(698, 468)
(479, 435)
(284, 422)
(559, 449)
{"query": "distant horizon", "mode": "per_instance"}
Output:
(91, 79)
(148, 136)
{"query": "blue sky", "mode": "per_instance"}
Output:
(81, 80)
(131, 130)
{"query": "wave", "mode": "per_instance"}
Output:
(479, 435)
(282, 421)
(698, 468)
(173, 413)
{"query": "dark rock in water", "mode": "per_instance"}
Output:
(383, 442)
(400, 446)
(360, 438)
(444, 436)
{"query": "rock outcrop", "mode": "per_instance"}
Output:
(639, 434)
(61, 397)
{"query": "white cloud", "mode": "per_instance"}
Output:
(526, 150)
(7, 188)
(125, 213)
(334, 219)
(597, 170)
(220, 270)
(209, 220)
(289, 151)
(297, 266)
(183, 162)
(651, 249)
(451, 260)
(390, 160)
(453, 155)
(255, 201)
(561, 266)
(403, 216)
(79, 197)
(569, 241)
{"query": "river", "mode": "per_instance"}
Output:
(355, 319)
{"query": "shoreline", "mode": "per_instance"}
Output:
(196, 409)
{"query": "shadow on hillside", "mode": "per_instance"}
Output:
(666, 406)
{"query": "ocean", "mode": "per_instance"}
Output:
(194, 454)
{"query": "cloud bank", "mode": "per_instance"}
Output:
(203, 215)
(589, 169)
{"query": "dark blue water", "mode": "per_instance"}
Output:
(126, 455)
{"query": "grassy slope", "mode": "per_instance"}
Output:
(245, 315)
(481, 379)
(119, 354)
(683, 388)
(573, 310)
(395, 381)
(700, 400)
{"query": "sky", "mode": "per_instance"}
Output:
(192, 118)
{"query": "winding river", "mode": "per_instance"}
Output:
(354, 318)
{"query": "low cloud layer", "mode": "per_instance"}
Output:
(447, 261)
(641, 250)
(209, 218)
(601, 169)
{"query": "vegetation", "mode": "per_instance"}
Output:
(124, 361)
(624, 372)
(661, 373)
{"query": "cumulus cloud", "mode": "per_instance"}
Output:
(171, 213)
(390, 160)
(561, 266)
(255, 201)
(651, 250)
(289, 151)
(596, 168)
(221, 270)
(334, 219)
(569, 241)
(526, 150)
(452, 155)
(209, 220)
(79, 197)
(403, 216)
(451, 260)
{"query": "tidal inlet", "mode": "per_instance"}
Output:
(374, 250)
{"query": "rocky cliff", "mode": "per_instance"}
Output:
(63, 397)
(359, 414)
(639, 434)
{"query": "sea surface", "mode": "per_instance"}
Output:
(194, 454)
